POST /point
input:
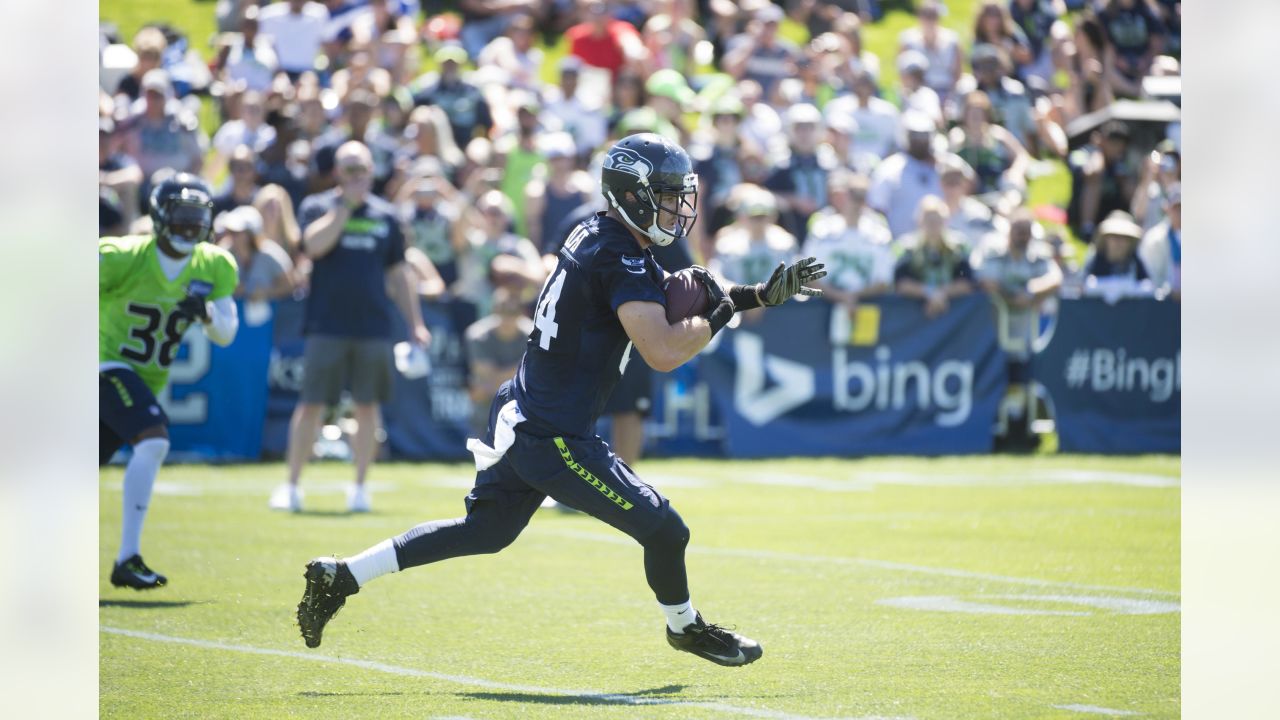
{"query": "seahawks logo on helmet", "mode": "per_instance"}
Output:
(628, 161)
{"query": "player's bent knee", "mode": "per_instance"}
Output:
(672, 535)
(158, 431)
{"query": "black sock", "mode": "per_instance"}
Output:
(664, 560)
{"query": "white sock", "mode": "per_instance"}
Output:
(375, 562)
(678, 616)
(139, 477)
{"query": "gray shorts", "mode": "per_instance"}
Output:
(333, 363)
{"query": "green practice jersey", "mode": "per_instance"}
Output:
(137, 325)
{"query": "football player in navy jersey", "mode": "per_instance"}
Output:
(601, 306)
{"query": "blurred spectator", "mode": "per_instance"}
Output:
(750, 248)
(149, 45)
(244, 181)
(1162, 169)
(759, 54)
(265, 267)
(249, 129)
(905, 178)
(1161, 248)
(587, 125)
(934, 264)
(670, 96)
(554, 192)
(515, 54)
(429, 135)
(279, 223)
(493, 256)
(913, 93)
(296, 28)
(249, 58)
(993, 25)
(1040, 22)
(1091, 63)
(355, 241)
(163, 134)
(671, 36)
(1102, 177)
(999, 161)
(361, 73)
(878, 120)
(462, 102)
(1022, 276)
(1170, 14)
(800, 183)
(386, 33)
(604, 42)
(842, 132)
(484, 20)
(1137, 35)
(520, 156)
(940, 45)
(761, 125)
(628, 93)
(359, 110)
(287, 162)
(1114, 270)
(968, 216)
(716, 163)
(1010, 104)
(119, 179)
(430, 216)
(495, 343)
(858, 58)
(853, 241)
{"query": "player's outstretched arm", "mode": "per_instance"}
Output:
(785, 283)
(664, 347)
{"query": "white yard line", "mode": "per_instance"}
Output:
(588, 695)
(1094, 709)
(614, 539)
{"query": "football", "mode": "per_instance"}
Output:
(686, 296)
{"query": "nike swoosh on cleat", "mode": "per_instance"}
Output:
(152, 578)
(729, 658)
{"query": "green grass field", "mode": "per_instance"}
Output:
(1041, 587)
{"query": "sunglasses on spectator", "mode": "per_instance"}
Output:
(353, 170)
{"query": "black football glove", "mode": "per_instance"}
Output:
(710, 283)
(193, 308)
(787, 282)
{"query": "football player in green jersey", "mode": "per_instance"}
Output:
(150, 290)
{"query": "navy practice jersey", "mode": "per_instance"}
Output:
(578, 347)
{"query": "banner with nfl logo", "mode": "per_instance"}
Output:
(813, 379)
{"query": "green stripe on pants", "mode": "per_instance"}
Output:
(586, 474)
(125, 397)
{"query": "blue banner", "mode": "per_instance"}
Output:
(430, 418)
(893, 382)
(1114, 376)
(217, 396)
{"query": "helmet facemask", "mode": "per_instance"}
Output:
(666, 213)
(187, 223)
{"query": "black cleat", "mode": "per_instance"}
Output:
(329, 582)
(135, 574)
(712, 642)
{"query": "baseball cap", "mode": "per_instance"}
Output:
(803, 113)
(728, 104)
(1120, 223)
(759, 204)
(451, 51)
(914, 121)
(912, 60)
(156, 79)
(558, 145)
(671, 84)
(769, 13)
(571, 64)
(984, 52)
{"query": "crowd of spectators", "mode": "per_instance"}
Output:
(918, 187)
